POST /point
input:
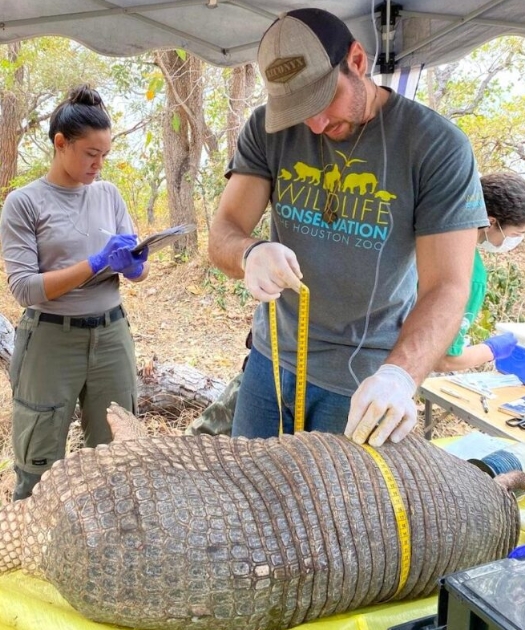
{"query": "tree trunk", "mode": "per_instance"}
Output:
(240, 88)
(183, 131)
(154, 184)
(11, 115)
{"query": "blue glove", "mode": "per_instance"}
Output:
(518, 553)
(502, 346)
(129, 264)
(100, 260)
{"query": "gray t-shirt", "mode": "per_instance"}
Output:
(45, 227)
(360, 269)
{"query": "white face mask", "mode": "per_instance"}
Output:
(509, 243)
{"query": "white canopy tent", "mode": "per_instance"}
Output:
(227, 32)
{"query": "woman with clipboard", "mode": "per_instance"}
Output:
(73, 341)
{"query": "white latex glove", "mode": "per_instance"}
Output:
(270, 268)
(383, 407)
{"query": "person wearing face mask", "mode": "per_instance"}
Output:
(504, 195)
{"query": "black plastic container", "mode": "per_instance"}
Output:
(488, 597)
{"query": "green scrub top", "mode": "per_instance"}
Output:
(478, 287)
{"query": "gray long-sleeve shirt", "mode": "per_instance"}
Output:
(45, 227)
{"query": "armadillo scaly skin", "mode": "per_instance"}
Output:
(219, 533)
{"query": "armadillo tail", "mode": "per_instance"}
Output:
(511, 481)
(11, 532)
(123, 424)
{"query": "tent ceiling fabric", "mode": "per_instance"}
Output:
(227, 32)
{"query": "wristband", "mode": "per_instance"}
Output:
(247, 252)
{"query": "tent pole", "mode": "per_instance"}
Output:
(389, 13)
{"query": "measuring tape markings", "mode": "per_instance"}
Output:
(403, 527)
(302, 358)
(274, 339)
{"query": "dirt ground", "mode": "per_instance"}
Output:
(184, 313)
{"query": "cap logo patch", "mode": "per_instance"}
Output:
(285, 69)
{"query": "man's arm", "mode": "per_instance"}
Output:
(444, 267)
(241, 207)
(383, 404)
(270, 267)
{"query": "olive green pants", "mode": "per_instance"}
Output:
(53, 367)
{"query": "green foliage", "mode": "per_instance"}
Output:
(182, 256)
(155, 86)
(481, 94)
(131, 184)
(215, 281)
(503, 300)
(240, 290)
(175, 122)
(36, 170)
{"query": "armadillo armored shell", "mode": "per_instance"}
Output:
(218, 533)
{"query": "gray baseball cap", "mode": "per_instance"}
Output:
(299, 57)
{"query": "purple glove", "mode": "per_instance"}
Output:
(129, 264)
(502, 346)
(100, 260)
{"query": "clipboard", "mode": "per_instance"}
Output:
(154, 243)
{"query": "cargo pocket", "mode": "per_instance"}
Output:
(39, 435)
(22, 338)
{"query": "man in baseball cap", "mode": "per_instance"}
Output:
(376, 203)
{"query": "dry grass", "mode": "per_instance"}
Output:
(181, 314)
(6, 472)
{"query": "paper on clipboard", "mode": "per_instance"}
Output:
(484, 382)
(158, 241)
(154, 243)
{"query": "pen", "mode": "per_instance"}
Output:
(105, 232)
(484, 404)
(452, 393)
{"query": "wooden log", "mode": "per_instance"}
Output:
(171, 387)
(7, 341)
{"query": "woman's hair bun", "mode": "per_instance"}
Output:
(85, 95)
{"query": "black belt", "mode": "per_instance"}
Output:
(93, 321)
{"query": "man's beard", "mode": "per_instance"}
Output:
(356, 118)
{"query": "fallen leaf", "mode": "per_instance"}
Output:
(194, 289)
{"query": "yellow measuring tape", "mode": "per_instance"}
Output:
(403, 527)
(302, 357)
